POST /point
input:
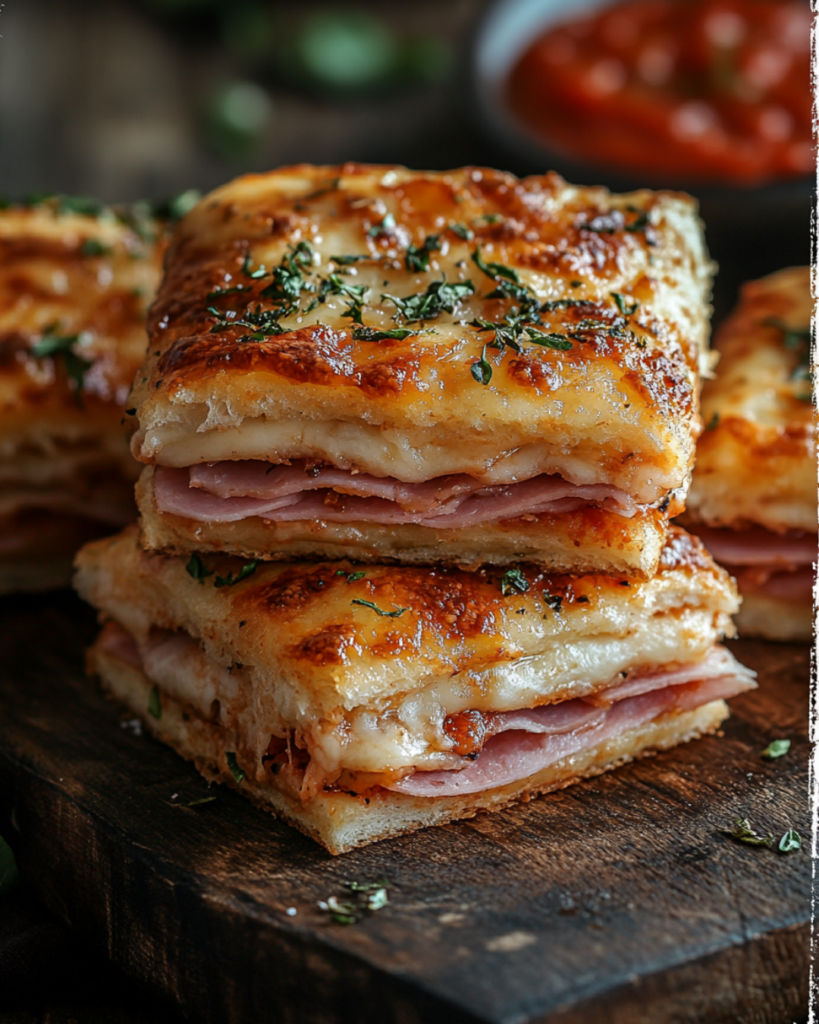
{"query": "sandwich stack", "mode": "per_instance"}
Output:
(76, 281)
(753, 496)
(411, 446)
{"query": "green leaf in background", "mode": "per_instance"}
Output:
(236, 118)
(342, 50)
(8, 868)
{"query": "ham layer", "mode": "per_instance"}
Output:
(526, 742)
(518, 743)
(778, 565)
(230, 491)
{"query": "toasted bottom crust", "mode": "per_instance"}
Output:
(341, 822)
(589, 540)
(771, 618)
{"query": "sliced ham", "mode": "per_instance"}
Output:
(230, 491)
(758, 546)
(790, 585)
(521, 746)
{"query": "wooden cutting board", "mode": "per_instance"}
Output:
(618, 900)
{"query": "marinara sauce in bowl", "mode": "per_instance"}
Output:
(709, 95)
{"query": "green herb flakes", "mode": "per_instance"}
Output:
(237, 772)
(196, 568)
(776, 749)
(390, 615)
(790, 841)
(745, 833)
(481, 370)
(155, 704)
(417, 259)
(514, 582)
(346, 261)
(623, 306)
(713, 423)
(439, 297)
(386, 227)
(369, 898)
(551, 340)
(200, 802)
(462, 231)
(92, 247)
(352, 577)
(230, 580)
(62, 346)
(372, 334)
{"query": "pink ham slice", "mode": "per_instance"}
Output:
(759, 546)
(525, 743)
(231, 491)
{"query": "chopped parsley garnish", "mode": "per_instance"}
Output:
(82, 205)
(623, 306)
(345, 261)
(439, 297)
(262, 323)
(553, 304)
(288, 277)
(334, 285)
(247, 265)
(514, 582)
(793, 338)
(481, 370)
(196, 568)
(713, 423)
(62, 345)
(217, 293)
(369, 897)
(553, 340)
(417, 259)
(462, 231)
(237, 772)
(373, 334)
(386, 227)
(93, 247)
(230, 580)
(775, 749)
(390, 615)
(745, 833)
(553, 601)
(155, 704)
(351, 577)
(790, 841)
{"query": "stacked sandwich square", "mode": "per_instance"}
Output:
(411, 445)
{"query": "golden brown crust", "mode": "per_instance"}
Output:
(619, 404)
(756, 465)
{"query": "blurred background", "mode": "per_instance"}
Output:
(128, 99)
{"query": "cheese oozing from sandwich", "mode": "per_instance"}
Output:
(76, 280)
(391, 353)
(753, 495)
(395, 696)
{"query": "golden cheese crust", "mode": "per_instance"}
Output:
(756, 464)
(604, 388)
(586, 540)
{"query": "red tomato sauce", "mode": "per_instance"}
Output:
(707, 89)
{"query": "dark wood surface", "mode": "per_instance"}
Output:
(618, 900)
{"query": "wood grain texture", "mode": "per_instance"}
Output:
(618, 900)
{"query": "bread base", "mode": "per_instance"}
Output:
(341, 822)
